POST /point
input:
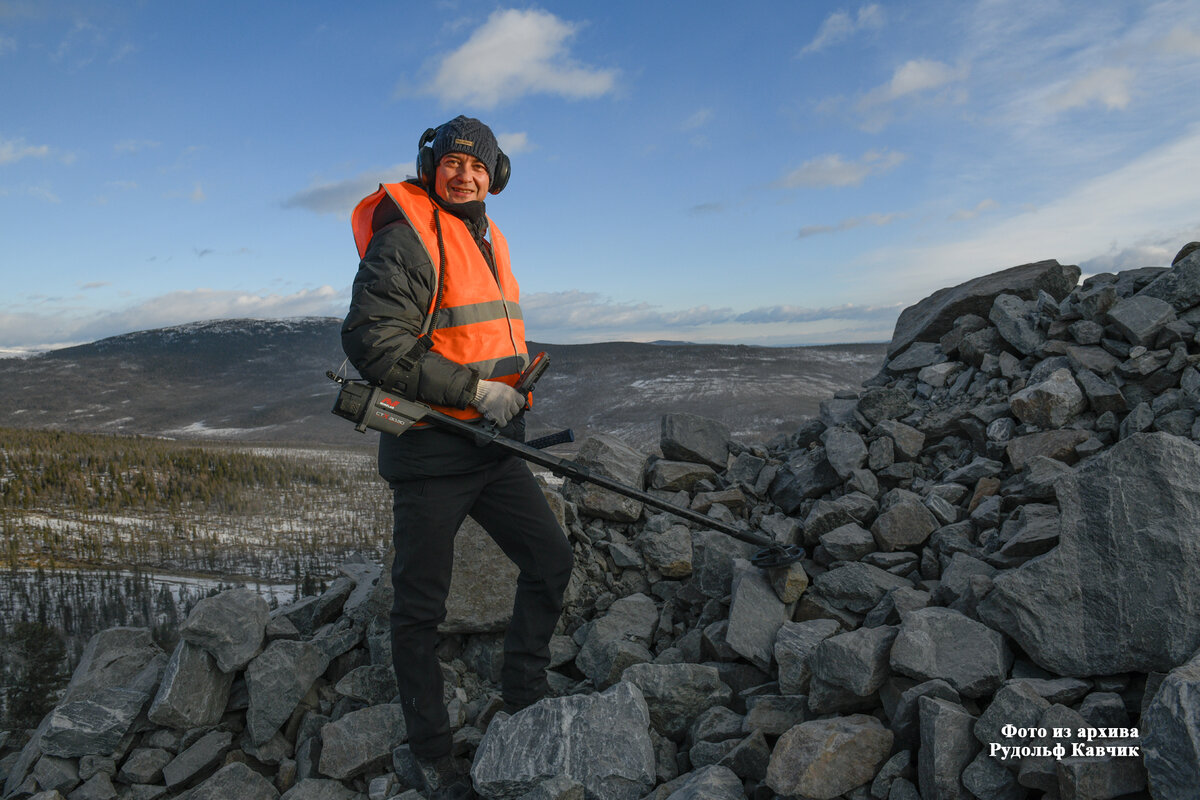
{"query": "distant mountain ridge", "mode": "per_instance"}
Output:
(264, 381)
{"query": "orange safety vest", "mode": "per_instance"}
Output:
(479, 322)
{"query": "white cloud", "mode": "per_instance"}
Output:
(60, 326)
(1107, 86)
(921, 75)
(874, 220)
(133, 146)
(840, 26)
(972, 213)
(1149, 201)
(340, 197)
(513, 54)
(512, 143)
(575, 316)
(7, 45)
(833, 170)
(697, 120)
(1182, 40)
(12, 150)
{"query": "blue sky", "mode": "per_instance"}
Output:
(765, 172)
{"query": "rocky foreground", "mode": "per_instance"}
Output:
(1002, 601)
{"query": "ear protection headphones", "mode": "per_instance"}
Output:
(426, 166)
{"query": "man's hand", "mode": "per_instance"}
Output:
(498, 401)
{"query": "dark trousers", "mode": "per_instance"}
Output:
(506, 500)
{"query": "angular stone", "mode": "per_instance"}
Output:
(848, 543)
(789, 582)
(373, 684)
(823, 759)
(1080, 611)
(230, 626)
(322, 789)
(92, 726)
(1057, 444)
(984, 777)
(947, 748)
(883, 403)
(618, 639)
(197, 761)
(235, 780)
(755, 615)
(845, 450)
(1016, 704)
(1179, 286)
(794, 645)
(362, 741)
(1140, 318)
(804, 477)
(774, 715)
(714, 782)
(144, 765)
(918, 355)
(855, 661)
(713, 555)
(906, 716)
(1014, 318)
(1101, 395)
(56, 774)
(940, 643)
(668, 551)
(675, 694)
(856, 587)
(1041, 771)
(908, 440)
(687, 437)
(609, 457)
(678, 476)
(1052, 403)
(601, 741)
(938, 375)
(935, 315)
(1170, 730)
(277, 679)
(906, 523)
(194, 690)
(116, 657)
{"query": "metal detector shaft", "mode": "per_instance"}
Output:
(372, 407)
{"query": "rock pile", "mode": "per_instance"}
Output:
(1002, 601)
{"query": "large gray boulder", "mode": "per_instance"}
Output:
(676, 694)
(1121, 592)
(230, 626)
(601, 741)
(942, 643)
(361, 741)
(947, 747)
(277, 680)
(755, 615)
(688, 437)
(611, 458)
(1170, 731)
(194, 690)
(931, 318)
(235, 780)
(92, 726)
(826, 758)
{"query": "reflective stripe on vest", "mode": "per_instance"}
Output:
(480, 324)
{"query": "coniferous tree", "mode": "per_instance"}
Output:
(36, 654)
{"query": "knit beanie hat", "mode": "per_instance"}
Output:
(467, 135)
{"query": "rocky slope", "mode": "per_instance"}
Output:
(1002, 601)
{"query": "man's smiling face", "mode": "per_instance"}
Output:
(461, 178)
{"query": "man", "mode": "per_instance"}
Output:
(435, 316)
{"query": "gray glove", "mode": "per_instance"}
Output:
(498, 401)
